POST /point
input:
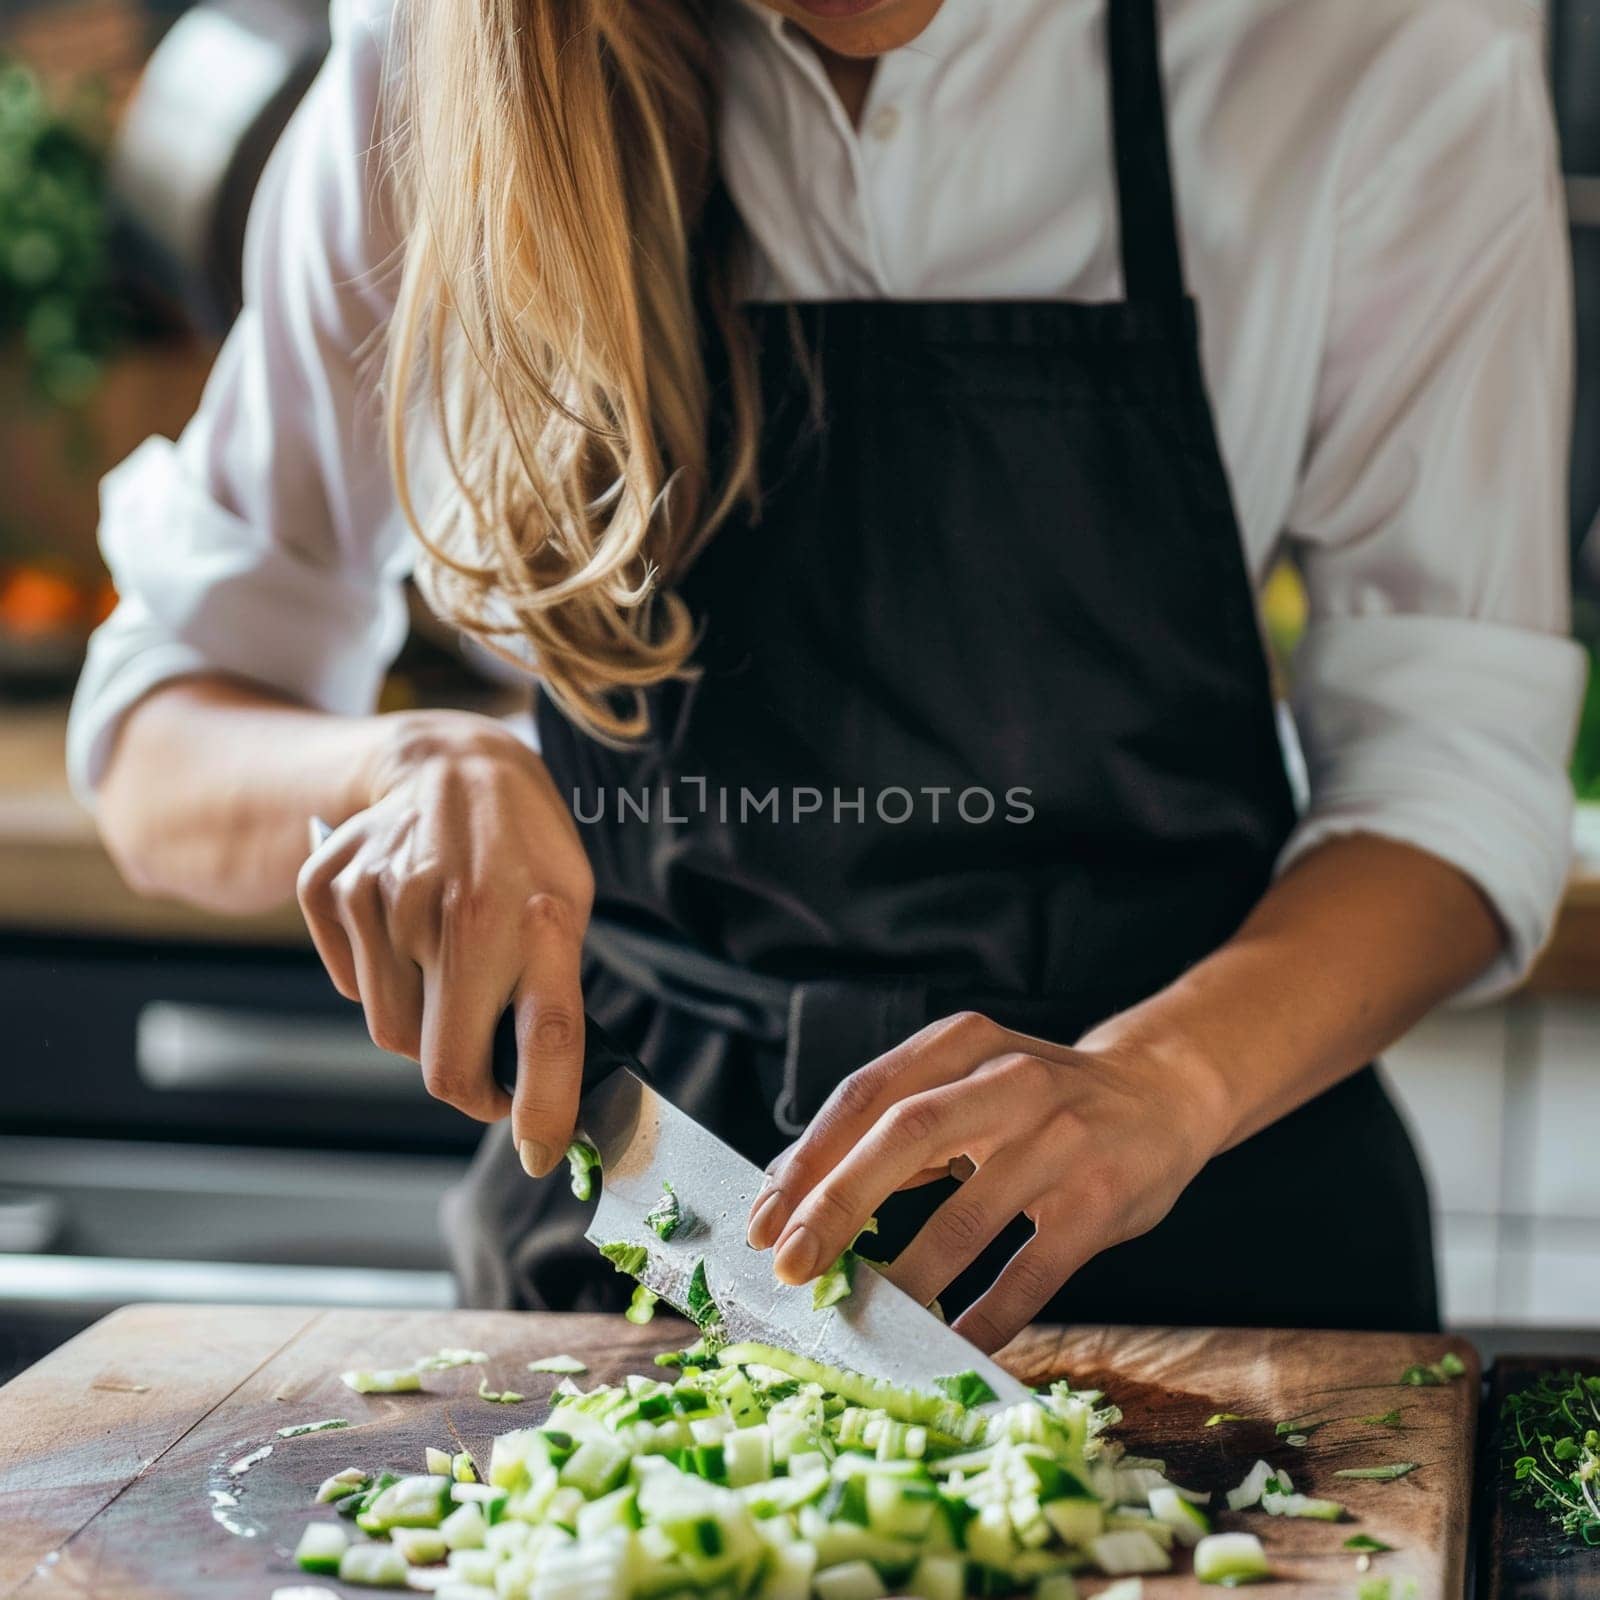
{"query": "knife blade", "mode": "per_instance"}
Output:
(644, 1141)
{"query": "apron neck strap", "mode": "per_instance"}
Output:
(1152, 261)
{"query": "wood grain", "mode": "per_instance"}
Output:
(1523, 1555)
(144, 1523)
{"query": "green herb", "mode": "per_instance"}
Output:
(1216, 1419)
(562, 1363)
(1556, 1428)
(702, 1309)
(1390, 1419)
(1302, 1425)
(629, 1258)
(312, 1427)
(642, 1308)
(966, 1389)
(502, 1397)
(583, 1160)
(1395, 1469)
(1431, 1374)
(1365, 1542)
(667, 1215)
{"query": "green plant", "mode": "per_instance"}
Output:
(56, 290)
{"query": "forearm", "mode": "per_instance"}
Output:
(1346, 951)
(212, 781)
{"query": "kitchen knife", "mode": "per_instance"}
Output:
(645, 1143)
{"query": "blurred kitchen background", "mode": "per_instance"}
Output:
(165, 1076)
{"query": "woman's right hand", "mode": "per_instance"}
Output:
(462, 888)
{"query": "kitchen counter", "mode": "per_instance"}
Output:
(55, 876)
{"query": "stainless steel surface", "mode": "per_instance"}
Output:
(644, 1141)
(190, 1048)
(125, 1198)
(96, 1284)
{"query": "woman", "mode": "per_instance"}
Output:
(808, 391)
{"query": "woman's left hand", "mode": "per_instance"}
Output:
(1093, 1145)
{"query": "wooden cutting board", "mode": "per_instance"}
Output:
(114, 1451)
(1523, 1554)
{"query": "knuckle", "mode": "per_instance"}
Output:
(855, 1095)
(388, 1033)
(830, 1208)
(981, 1329)
(961, 1221)
(914, 1121)
(974, 1026)
(1029, 1074)
(554, 1029)
(463, 902)
(1033, 1278)
(548, 913)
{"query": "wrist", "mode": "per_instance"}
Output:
(406, 741)
(1173, 1054)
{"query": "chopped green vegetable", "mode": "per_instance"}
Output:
(966, 1389)
(1217, 1418)
(401, 1380)
(320, 1547)
(1552, 1431)
(629, 1258)
(836, 1284)
(1230, 1559)
(642, 1307)
(341, 1484)
(700, 1306)
(1389, 1419)
(299, 1428)
(1430, 1374)
(503, 1397)
(1303, 1425)
(667, 1215)
(561, 1364)
(583, 1160)
(1396, 1469)
(1366, 1543)
(447, 1359)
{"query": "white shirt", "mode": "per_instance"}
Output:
(1373, 227)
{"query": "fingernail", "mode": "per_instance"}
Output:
(797, 1260)
(765, 1216)
(535, 1157)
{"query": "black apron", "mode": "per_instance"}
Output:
(983, 721)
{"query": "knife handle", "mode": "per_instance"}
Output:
(602, 1055)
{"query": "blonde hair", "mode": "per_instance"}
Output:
(554, 166)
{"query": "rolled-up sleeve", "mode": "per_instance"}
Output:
(266, 542)
(1436, 690)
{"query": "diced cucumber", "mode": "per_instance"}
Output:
(1057, 1586)
(596, 1467)
(383, 1380)
(421, 1547)
(787, 1573)
(1230, 1558)
(1187, 1521)
(419, 1502)
(375, 1566)
(492, 1502)
(465, 1528)
(747, 1454)
(1075, 1521)
(474, 1566)
(463, 1468)
(342, 1484)
(563, 1364)
(1249, 1492)
(1128, 1550)
(320, 1547)
(1301, 1505)
(938, 1578)
(850, 1580)
(437, 1462)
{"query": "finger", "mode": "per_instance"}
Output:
(461, 1008)
(1025, 1286)
(911, 1136)
(549, 1006)
(962, 1227)
(389, 984)
(314, 889)
(939, 1054)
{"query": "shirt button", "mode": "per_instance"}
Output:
(884, 122)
